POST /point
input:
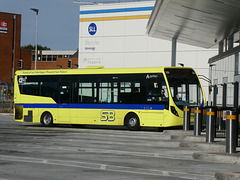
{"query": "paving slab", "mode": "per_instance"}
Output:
(227, 175)
(218, 157)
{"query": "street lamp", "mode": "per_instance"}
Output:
(36, 11)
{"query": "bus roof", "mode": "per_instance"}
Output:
(96, 70)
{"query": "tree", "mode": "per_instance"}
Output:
(31, 47)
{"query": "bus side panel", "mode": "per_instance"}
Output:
(30, 115)
(107, 117)
(115, 117)
(172, 120)
(83, 116)
(153, 118)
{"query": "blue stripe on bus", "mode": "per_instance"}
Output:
(117, 10)
(97, 106)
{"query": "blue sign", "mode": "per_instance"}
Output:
(92, 29)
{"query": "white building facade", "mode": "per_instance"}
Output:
(114, 36)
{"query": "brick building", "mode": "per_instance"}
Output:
(11, 53)
(48, 59)
(54, 59)
(10, 38)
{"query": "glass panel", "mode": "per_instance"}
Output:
(185, 87)
(28, 85)
(115, 95)
(157, 92)
(104, 94)
(48, 89)
(85, 84)
(125, 87)
(85, 93)
(44, 58)
(64, 92)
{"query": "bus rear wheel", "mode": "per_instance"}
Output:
(132, 122)
(47, 119)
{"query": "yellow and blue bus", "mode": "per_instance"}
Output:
(132, 97)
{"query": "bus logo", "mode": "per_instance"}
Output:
(151, 76)
(22, 80)
(92, 29)
(107, 116)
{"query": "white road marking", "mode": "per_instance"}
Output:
(122, 169)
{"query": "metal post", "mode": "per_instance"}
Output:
(36, 11)
(215, 92)
(174, 50)
(210, 134)
(186, 119)
(236, 93)
(220, 47)
(230, 42)
(231, 131)
(197, 121)
(224, 99)
(36, 40)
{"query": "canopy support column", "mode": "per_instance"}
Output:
(174, 50)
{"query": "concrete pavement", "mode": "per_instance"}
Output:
(217, 151)
(111, 153)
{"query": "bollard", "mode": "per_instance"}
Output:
(186, 119)
(231, 132)
(197, 121)
(219, 119)
(210, 125)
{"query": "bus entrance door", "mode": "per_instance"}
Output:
(64, 99)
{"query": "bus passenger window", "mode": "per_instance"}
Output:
(48, 89)
(85, 92)
(130, 93)
(105, 93)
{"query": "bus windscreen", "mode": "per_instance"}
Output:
(185, 87)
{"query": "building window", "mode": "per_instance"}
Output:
(44, 58)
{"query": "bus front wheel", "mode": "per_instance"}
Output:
(47, 119)
(132, 122)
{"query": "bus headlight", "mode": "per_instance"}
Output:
(174, 111)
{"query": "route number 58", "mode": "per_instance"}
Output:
(107, 116)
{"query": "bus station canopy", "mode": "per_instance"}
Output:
(202, 23)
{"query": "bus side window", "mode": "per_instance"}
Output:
(130, 93)
(157, 92)
(48, 89)
(85, 92)
(105, 93)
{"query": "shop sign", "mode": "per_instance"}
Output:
(3, 26)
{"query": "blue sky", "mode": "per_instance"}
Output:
(58, 21)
